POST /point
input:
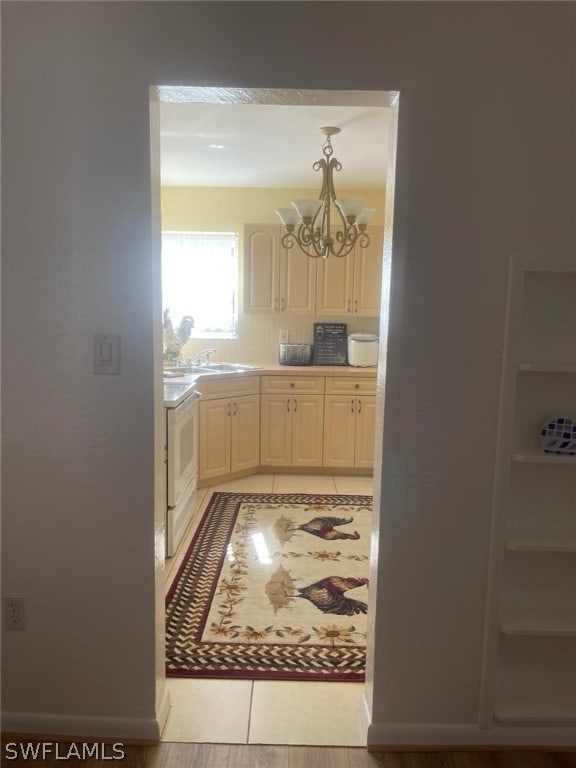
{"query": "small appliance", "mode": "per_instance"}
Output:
(295, 354)
(362, 350)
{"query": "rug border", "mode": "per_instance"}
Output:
(255, 497)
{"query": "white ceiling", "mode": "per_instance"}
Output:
(263, 145)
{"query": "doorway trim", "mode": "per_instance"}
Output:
(262, 96)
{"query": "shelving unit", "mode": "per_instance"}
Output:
(541, 540)
(529, 672)
(534, 456)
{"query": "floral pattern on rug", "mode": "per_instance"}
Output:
(260, 611)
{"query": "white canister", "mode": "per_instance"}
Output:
(362, 350)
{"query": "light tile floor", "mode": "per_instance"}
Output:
(265, 711)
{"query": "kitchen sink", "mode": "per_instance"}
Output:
(197, 370)
(228, 367)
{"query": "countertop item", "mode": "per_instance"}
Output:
(295, 354)
(362, 349)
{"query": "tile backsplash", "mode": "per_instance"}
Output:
(259, 336)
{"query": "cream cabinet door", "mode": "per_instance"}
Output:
(368, 275)
(339, 430)
(364, 437)
(245, 433)
(297, 282)
(307, 430)
(335, 278)
(261, 267)
(275, 430)
(214, 439)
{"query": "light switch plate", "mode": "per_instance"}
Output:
(106, 353)
(284, 337)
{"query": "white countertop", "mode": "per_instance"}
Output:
(178, 389)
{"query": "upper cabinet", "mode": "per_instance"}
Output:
(352, 285)
(276, 279)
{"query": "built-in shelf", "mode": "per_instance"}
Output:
(561, 626)
(547, 709)
(541, 539)
(534, 456)
(548, 366)
(530, 670)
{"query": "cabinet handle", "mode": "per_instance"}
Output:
(349, 305)
(281, 305)
(288, 405)
(352, 405)
(228, 409)
(359, 405)
(355, 306)
(235, 409)
(295, 404)
(275, 305)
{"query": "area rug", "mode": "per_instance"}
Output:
(273, 586)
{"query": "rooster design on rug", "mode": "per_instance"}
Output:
(324, 527)
(328, 595)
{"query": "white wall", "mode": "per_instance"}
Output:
(486, 168)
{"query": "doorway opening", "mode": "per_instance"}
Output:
(229, 158)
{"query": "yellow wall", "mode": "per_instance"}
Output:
(214, 209)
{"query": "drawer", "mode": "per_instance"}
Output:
(348, 385)
(287, 385)
(234, 386)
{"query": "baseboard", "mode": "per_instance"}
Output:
(346, 471)
(364, 715)
(397, 737)
(163, 709)
(131, 730)
(284, 470)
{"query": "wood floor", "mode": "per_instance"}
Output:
(173, 755)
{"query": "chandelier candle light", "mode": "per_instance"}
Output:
(315, 233)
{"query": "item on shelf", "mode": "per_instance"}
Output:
(559, 436)
(295, 354)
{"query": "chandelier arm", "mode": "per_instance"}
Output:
(364, 240)
(308, 241)
(347, 239)
(344, 250)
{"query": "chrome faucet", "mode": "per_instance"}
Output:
(201, 358)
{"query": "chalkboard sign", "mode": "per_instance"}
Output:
(330, 344)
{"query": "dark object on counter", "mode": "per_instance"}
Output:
(295, 354)
(330, 344)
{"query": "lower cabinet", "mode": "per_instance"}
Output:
(291, 430)
(298, 421)
(365, 433)
(349, 417)
(292, 421)
(229, 436)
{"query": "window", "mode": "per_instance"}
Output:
(200, 279)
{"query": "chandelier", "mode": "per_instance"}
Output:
(328, 226)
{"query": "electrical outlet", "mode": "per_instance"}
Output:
(283, 337)
(14, 612)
